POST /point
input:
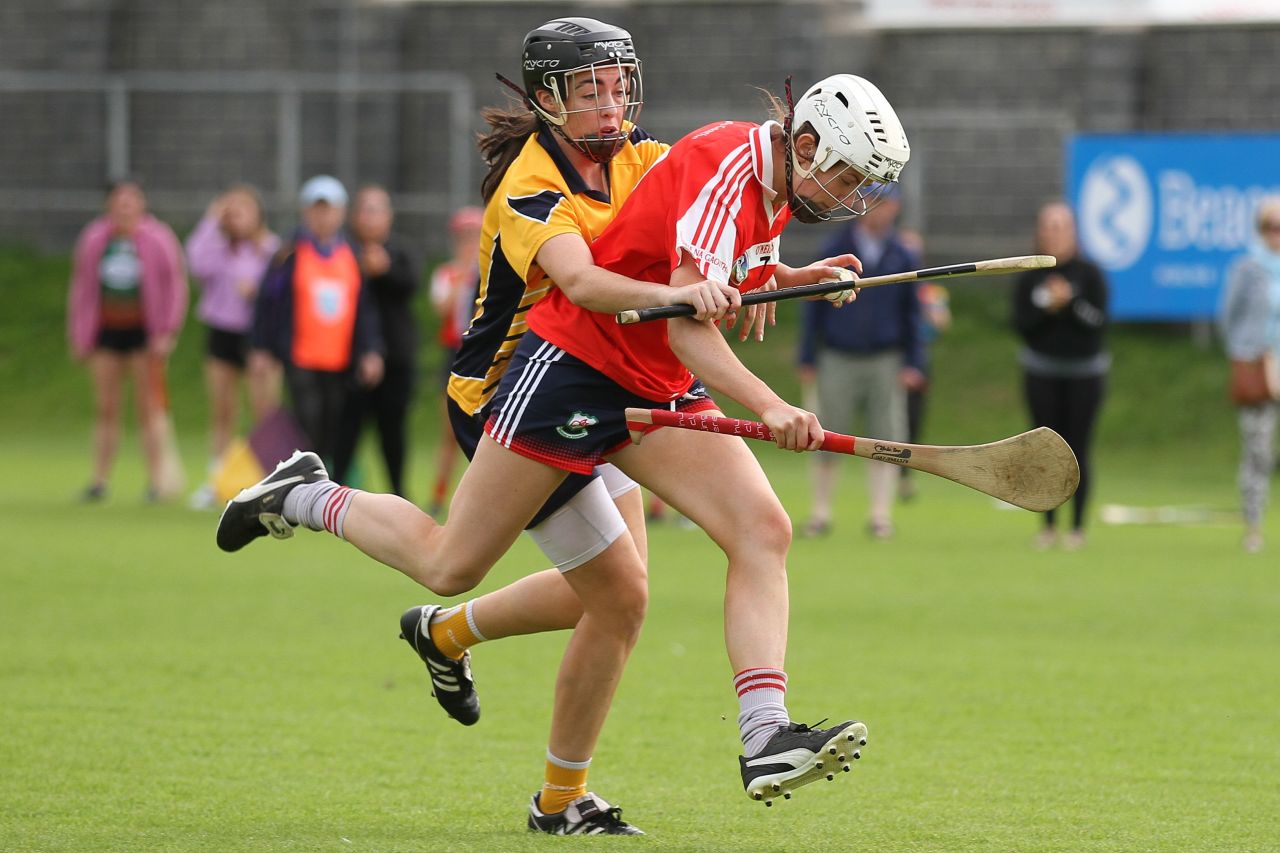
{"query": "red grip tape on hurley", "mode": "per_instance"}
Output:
(705, 422)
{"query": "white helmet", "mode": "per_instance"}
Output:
(855, 125)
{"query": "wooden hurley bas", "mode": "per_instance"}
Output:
(1035, 470)
(995, 266)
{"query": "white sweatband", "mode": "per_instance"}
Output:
(615, 481)
(581, 529)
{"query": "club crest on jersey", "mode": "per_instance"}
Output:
(759, 255)
(576, 426)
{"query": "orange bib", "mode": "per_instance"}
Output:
(325, 291)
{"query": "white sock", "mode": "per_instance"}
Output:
(762, 695)
(319, 506)
(444, 613)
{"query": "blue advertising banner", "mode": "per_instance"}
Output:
(1165, 214)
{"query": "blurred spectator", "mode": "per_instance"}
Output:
(315, 317)
(935, 318)
(393, 283)
(127, 304)
(1061, 315)
(865, 357)
(1250, 323)
(453, 294)
(228, 253)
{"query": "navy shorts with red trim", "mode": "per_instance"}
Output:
(561, 411)
(467, 429)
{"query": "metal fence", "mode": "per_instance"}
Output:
(279, 126)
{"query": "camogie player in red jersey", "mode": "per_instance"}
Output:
(713, 208)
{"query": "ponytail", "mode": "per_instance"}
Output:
(508, 130)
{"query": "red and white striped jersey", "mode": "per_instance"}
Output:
(708, 200)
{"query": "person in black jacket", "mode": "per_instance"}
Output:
(1061, 315)
(393, 284)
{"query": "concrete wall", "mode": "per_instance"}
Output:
(986, 110)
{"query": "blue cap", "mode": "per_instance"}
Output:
(324, 188)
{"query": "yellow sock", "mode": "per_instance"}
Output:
(453, 635)
(562, 785)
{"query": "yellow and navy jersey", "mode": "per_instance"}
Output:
(541, 196)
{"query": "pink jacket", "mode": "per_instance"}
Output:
(164, 282)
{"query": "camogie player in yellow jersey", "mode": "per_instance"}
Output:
(560, 168)
(557, 177)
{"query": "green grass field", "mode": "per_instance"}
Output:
(161, 695)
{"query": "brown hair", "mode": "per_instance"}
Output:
(500, 146)
(775, 108)
(250, 192)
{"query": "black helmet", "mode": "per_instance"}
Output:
(561, 47)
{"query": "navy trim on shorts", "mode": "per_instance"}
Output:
(557, 409)
(467, 429)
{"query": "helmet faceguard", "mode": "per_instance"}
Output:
(598, 147)
(560, 55)
(839, 199)
(856, 131)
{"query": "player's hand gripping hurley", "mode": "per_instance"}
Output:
(995, 266)
(1035, 470)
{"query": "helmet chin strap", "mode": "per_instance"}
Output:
(800, 208)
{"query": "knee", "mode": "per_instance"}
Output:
(224, 407)
(448, 584)
(632, 603)
(622, 607)
(432, 566)
(628, 610)
(107, 408)
(767, 532)
(450, 577)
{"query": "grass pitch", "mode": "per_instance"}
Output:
(156, 694)
(161, 695)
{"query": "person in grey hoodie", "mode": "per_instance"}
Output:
(1249, 319)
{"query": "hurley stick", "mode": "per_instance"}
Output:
(996, 266)
(1034, 470)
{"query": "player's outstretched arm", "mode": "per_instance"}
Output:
(702, 348)
(567, 260)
